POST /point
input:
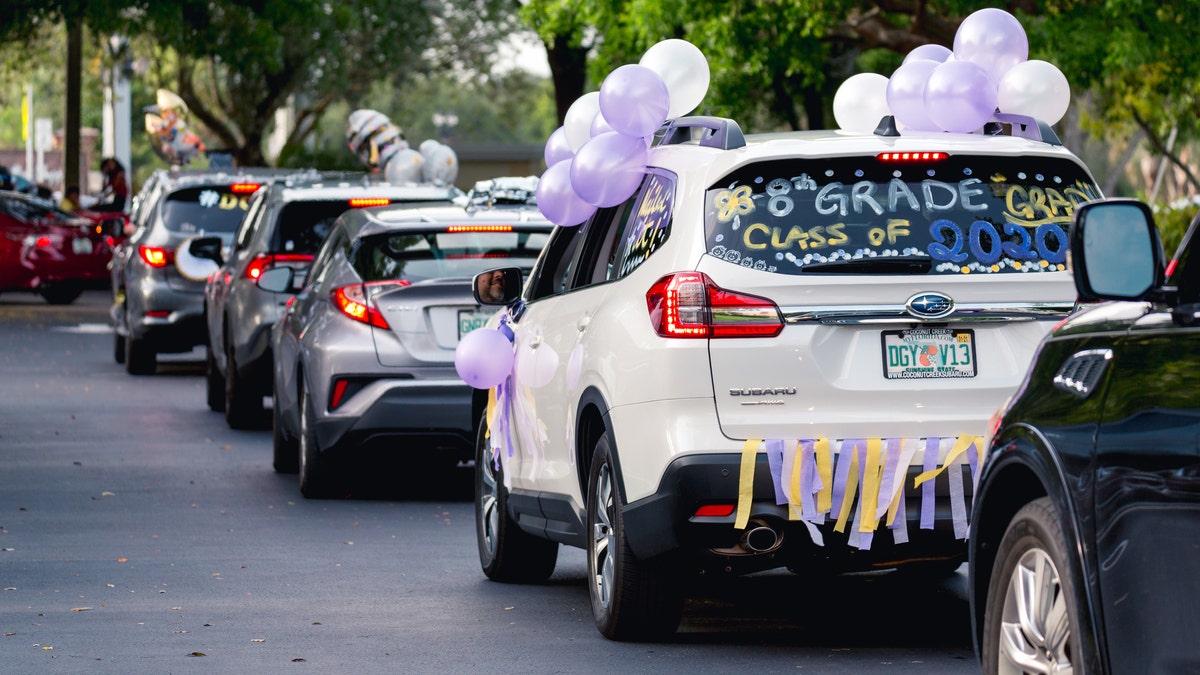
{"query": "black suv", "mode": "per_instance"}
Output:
(284, 226)
(1087, 513)
(157, 308)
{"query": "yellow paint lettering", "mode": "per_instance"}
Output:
(875, 235)
(1017, 201)
(1057, 201)
(756, 227)
(896, 229)
(818, 239)
(228, 202)
(794, 235)
(837, 234)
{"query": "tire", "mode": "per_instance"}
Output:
(287, 449)
(214, 383)
(140, 357)
(243, 404)
(631, 599)
(506, 552)
(61, 294)
(1032, 563)
(118, 347)
(317, 480)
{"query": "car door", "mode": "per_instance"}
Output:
(1147, 484)
(13, 231)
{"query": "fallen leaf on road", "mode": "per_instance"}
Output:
(197, 654)
(176, 609)
(80, 609)
(298, 661)
(106, 493)
(111, 585)
(122, 559)
(258, 639)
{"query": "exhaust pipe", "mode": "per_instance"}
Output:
(760, 537)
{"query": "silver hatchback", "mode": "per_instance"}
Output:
(364, 354)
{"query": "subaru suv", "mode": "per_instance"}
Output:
(781, 351)
(158, 307)
(286, 223)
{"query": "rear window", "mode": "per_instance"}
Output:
(958, 214)
(208, 210)
(434, 255)
(303, 226)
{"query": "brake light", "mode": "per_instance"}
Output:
(156, 256)
(263, 262)
(361, 202)
(244, 188)
(479, 228)
(911, 156)
(42, 241)
(354, 301)
(690, 305)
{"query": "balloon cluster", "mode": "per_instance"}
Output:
(166, 122)
(380, 145)
(937, 89)
(597, 158)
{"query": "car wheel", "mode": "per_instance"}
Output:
(214, 382)
(140, 357)
(287, 449)
(506, 552)
(243, 405)
(61, 294)
(631, 599)
(118, 347)
(1031, 620)
(316, 476)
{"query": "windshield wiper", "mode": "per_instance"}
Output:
(895, 264)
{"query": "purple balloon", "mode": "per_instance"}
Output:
(608, 169)
(993, 39)
(905, 94)
(556, 147)
(634, 100)
(600, 125)
(483, 358)
(929, 52)
(557, 199)
(960, 96)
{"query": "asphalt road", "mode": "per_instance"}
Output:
(139, 534)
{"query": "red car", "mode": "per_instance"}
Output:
(50, 251)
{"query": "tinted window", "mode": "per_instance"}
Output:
(433, 255)
(649, 227)
(303, 226)
(957, 215)
(213, 209)
(550, 275)
(30, 209)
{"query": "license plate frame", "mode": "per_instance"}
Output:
(81, 246)
(907, 354)
(470, 319)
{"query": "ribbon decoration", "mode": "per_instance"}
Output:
(861, 485)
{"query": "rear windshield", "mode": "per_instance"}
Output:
(303, 226)
(961, 214)
(435, 255)
(208, 210)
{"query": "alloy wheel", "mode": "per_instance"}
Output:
(1035, 635)
(603, 535)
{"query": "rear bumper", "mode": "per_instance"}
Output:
(402, 416)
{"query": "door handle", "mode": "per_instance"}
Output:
(582, 324)
(535, 342)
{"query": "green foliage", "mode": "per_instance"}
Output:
(1173, 222)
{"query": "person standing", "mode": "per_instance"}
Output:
(70, 200)
(116, 187)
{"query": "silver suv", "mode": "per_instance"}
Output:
(285, 225)
(156, 308)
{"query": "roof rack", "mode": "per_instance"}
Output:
(1001, 124)
(709, 132)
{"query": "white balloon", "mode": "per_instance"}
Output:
(1035, 88)
(404, 167)
(536, 366)
(578, 123)
(861, 102)
(441, 163)
(684, 69)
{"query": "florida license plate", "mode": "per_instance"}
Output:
(81, 245)
(469, 320)
(921, 353)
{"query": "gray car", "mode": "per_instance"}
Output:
(156, 307)
(364, 356)
(285, 225)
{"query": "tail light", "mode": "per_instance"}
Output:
(244, 188)
(363, 202)
(690, 305)
(157, 256)
(266, 261)
(355, 301)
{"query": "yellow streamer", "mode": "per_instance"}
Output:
(794, 493)
(825, 471)
(871, 479)
(851, 491)
(960, 446)
(491, 412)
(746, 483)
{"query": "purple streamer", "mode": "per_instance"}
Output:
(958, 505)
(900, 524)
(808, 467)
(973, 460)
(774, 449)
(889, 476)
(842, 475)
(928, 496)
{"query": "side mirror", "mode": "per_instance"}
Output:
(277, 280)
(208, 248)
(1116, 253)
(497, 287)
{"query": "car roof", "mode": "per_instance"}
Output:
(349, 184)
(184, 178)
(415, 217)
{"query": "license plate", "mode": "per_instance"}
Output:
(81, 246)
(469, 320)
(922, 353)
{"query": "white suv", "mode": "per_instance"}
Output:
(783, 350)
